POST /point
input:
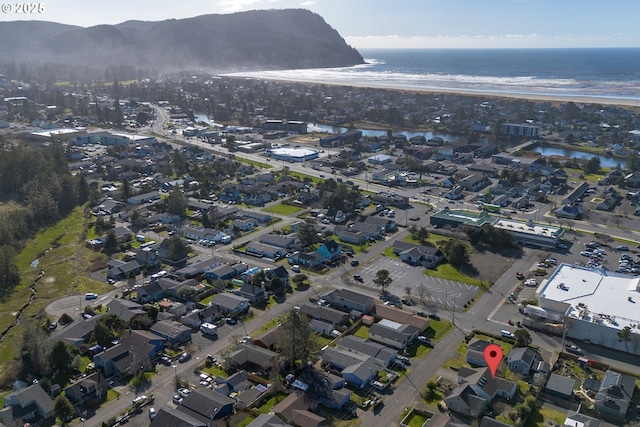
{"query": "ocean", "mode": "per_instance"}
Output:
(597, 72)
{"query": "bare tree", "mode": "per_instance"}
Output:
(421, 289)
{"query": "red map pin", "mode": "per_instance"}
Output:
(493, 357)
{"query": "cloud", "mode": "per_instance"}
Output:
(307, 3)
(230, 6)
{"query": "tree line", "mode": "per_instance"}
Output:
(39, 190)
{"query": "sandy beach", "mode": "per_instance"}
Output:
(627, 102)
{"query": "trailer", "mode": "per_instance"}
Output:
(535, 311)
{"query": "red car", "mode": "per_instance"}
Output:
(520, 276)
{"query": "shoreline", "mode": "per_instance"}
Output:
(581, 99)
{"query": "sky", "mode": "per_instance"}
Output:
(395, 23)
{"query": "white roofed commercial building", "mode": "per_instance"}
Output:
(531, 233)
(596, 304)
(293, 154)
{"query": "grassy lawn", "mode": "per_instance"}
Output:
(215, 371)
(416, 420)
(270, 324)
(269, 403)
(446, 271)
(438, 329)
(539, 417)
(362, 332)
(62, 255)
(112, 395)
(282, 209)
(254, 163)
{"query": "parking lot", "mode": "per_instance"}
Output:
(440, 291)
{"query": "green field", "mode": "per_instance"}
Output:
(66, 262)
(282, 209)
(446, 271)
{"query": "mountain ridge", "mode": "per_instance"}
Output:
(253, 40)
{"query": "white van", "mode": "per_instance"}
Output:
(507, 334)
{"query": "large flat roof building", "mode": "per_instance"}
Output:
(293, 154)
(530, 233)
(596, 304)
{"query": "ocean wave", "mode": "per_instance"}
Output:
(371, 74)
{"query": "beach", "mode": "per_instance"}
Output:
(580, 99)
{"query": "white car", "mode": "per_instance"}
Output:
(184, 392)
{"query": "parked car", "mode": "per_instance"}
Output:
(572, 348)
(422, 314)
(184, 357)
(355, 263)
(231, 321)
(358, 278)
(140, 400)
(90, 296)
(177, 399)
(622, 248)
(184, 392)
(434, 316)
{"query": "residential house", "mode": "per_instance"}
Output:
(78, 332)
(308, 259)
(329, 389)
(281, 273)
(171, 287)
(474, 183)
(166, 254)
(611, 197)
(348, 300)
(26, 405)
(225, 272)
(330, 250)
(383, 355)
(268, 420)
(384, 224)
(207, 405)
(250, 356)
(264, 250)
(107, 207)
(150, 293)
(393, 334)
(614, 397)
(288, 242)
(412, 254)
(475, 352)
(125, 309)
(147, 257)
(356, 368)
(402, 316)
(570, 211)
(138, 348)
(174, 332)
(144, 198)
(477, 389)
(576, 419)
(367, 230)
(325, 314)
(255, 294)
(559, 386)
(296, 408)
(88, 390)
(118, 270)
(196, 318)
(230, 304)
(196, 269)
(522, 360)
(346, 235)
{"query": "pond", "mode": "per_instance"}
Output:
(605, 161)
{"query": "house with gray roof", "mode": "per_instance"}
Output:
(348, 300)
(522, 360)
(125, 309)
(576, 419)
(252, 356)
(92, 388)
(135, 349)
(230, 304)
(475, 352)
(27, 404)
(207, 405)
(78, 332)
(477, 390)
(326, 314)
(383, 355)
(268, 420)
(288, 242)
(559, 386)
(393, 334)
(172, 331)
(614, 397)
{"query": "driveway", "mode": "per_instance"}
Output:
(439, 291)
